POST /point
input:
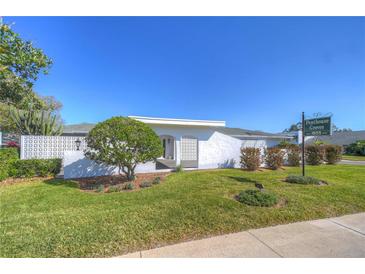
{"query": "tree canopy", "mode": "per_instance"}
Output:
(21, 63)
(124, 143)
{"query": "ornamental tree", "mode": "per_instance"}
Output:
(124, 143)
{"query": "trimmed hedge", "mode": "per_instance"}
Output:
(274, 157)
(250, 158)
(12, 166)
(314, 154)
(255, 197)
(333, 154)
(306, 180)
(293, 153)
(7, 157)
(36, 167)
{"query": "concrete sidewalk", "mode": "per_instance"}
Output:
(334, 237)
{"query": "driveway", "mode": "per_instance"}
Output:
(330, 238)
(356, 163)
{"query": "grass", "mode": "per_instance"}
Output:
(56, 219)
(353, 158)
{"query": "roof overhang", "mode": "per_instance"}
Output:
(179, 122)
(263, 136)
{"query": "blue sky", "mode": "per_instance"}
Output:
(253, 72)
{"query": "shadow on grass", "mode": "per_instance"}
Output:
(61, 182)
(241, 179)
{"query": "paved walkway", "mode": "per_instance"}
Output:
(356, 163)
(334, 237)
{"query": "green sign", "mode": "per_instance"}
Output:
(317, 126)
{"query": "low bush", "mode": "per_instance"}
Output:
(35, 167)
(274, 157)
(145, 184)
(156, 181)
(7, 157)
(333, 154)
(113, 189)
(179, 168)
(314, 154)
(306, 180)
(100, 188)
(255, 197)
(293, 153)
(357, 148)
(128, 186)
(250, 158)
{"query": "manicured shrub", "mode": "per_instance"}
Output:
(293, 153)
(333, 154)
(145, 184)
(274, 157)
(7, 157)
(255, 197)
(306, 180)
(250, 158)
(128, 186)
(35, 167)
(156, 181)
(124, 143)
(314, 154)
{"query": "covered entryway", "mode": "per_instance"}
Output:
(168, 159)
(189, 151)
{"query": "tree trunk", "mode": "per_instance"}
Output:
(130, 174)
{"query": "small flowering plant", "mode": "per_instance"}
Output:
(12, 144)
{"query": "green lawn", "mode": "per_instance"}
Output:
(353, 158)
(56, 219)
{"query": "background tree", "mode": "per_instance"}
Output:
(20, 65)
(123, 142)
(298, 126)
(36, 122)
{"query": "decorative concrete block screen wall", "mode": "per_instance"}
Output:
(48, 147)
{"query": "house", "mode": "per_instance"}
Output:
(195, 144)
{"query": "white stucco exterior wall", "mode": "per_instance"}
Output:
(215, 150)
(219, 151)
(76, 165)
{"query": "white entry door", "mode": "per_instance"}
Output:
(189, 151)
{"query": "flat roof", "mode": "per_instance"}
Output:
(181, 122)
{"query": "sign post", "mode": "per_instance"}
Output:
(314, 127)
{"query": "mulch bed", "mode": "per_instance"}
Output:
(92, 183)
(12, 181)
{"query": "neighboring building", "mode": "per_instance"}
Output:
(342, 138)
(77, 129)
(198, 144)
